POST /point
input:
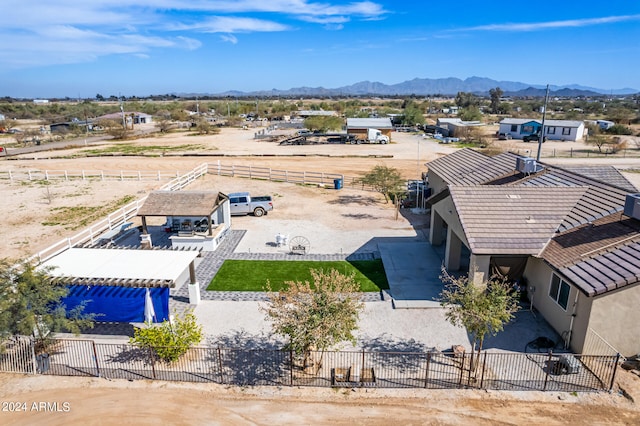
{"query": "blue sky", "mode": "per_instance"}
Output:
(75, 48)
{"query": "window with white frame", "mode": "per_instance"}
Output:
(559, 291)
(566, 130)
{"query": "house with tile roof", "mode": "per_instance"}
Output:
(569, 236)
(561, 130)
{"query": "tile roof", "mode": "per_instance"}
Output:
(512, 219)
(598, 257)
(470, 167)
(599, 200)
(570, 216)
(607, 174)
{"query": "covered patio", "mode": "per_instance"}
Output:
(113, 283)
(196, 219)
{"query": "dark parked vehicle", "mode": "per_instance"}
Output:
(533, 138)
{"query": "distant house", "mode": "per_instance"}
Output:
(456, 126)
(562, 130)
(315, 113)
(569, 238)
(359, 126)
(130, 117)
(67, 125)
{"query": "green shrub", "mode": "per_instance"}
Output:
(169, 341)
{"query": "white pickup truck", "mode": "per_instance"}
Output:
(243, 203)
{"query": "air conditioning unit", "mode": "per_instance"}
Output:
(632, 206)
(526, 165)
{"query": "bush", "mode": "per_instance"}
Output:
(619, 129)
(169, 341)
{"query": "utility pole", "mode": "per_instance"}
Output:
(544, 114)
(124, 121)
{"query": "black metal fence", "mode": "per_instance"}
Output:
(247, 367)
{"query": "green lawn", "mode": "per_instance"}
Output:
(252, 275)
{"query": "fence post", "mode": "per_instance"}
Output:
(484, 365)
(220, 365)
(66, 175)
(46, 175)
(30, 178)
(153, 363)
(95, 356)
(426, 374)
(464, 356)
(102, 175)
(34, 361)
(615, 370)
(546, 379)
(291, 367)
(472, 368)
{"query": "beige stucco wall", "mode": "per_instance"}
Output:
(616, 317)
(443, 208)
(538, 275)
(436, 183)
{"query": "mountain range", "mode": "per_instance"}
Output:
(438, 86)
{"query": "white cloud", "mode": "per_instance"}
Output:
(229, 38)
(230, 24)
(536, 26)
(37, 32)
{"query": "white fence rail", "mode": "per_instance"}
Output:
(115, 219)
(124, 214)
(101, 175)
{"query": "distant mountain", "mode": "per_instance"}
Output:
(438, 86)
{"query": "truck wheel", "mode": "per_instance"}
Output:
(259, 211)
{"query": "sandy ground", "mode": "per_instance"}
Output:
(99, 401)
(26, 206)
(333, 221)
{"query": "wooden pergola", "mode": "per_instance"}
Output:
(181, 204)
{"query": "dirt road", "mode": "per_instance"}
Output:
(99, 401)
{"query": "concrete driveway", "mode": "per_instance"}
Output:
(413, 272)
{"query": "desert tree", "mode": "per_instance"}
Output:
(31, 303)
(483, 309)
(595, 137)
(323, 123)
(495, 95)
(317, 315)
(385, 180)
(164, 124)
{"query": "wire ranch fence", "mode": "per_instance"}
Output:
(270, 367)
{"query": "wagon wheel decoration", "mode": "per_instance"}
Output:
(299, 245)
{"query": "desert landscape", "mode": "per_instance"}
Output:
(39, 213)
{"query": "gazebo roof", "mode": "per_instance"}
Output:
(181, 203)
